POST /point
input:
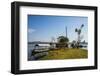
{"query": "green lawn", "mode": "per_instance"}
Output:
(68, 53)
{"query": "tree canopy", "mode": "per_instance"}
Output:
(62, 39)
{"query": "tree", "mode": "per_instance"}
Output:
(78, 33)
(62, 41)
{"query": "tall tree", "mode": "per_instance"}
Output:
(78, 33)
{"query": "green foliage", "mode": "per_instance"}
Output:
(62, 39)
(82, 25)
(76, 30)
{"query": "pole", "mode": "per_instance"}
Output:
(66, 31)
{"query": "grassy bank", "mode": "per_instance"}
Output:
(68, 53)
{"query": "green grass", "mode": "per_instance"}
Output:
(68, 53)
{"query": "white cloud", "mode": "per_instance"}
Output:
(30, 30)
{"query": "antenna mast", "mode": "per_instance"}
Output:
(66, 31)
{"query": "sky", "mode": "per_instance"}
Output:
(46, 27)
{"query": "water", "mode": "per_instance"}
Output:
(42, 52)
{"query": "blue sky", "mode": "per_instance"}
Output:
(44, 28)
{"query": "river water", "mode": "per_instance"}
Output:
(32, 46)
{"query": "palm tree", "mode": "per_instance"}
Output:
(78, 33)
